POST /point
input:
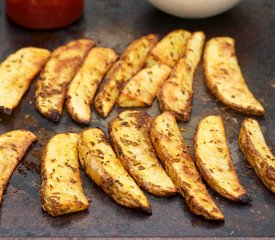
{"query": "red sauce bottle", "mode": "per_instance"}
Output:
(44, 14)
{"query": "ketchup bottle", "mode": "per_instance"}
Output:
(44, 14)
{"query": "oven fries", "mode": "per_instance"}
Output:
(179, 165)
(176, 93)
(129, 132)
(84, 85)
(224, 78)
(57, 74)
(257, 153)
(214, 161)
(130, 62)
(169, 49)
(13, 146)
(61, 190)
(102, 165)
(141, 90)
(16, 74)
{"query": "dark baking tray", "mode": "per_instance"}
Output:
(115, 23)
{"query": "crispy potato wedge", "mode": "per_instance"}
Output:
(257, 153)
(57, 74)
(224, 78)
(82, 89)
(214, 161)
(169, 49)
(176, 93)
(129, 132)
(141, 90)
(16, 74)
(104, 168)
(179, 165)
(61, 190)
(13, 146)
(130, 62)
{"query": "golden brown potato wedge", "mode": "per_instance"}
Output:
(179, 165)
(102, 165)
(16, 74)
(57, 74)
(141, 90)
(176, 93)
(61, 190)
(257, 153)
(214, 161)
(169, 49)
(13, 146)
(224, 78)
(129, 132)
(82, 89)
(130, 62)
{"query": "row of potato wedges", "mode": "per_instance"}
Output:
(147, 68)
(133, 162)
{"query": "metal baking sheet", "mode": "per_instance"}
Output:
(114, 23)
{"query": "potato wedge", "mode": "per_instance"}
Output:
(16, 74)
(59, 71)
(169, 49)
(82, 89)
(13, 146)
(101, 164)
(224, 78)
(141, 90)
(176, 93)
(130, 62)
(61, 189)
(257, 153)
(179, 165)
(214, 161)
(129, 132)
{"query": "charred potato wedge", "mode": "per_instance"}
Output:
(16, 74)
(129, 132)
(130, 62)
(13, 144)
(141, 90)
(84, 85)
(101, 164)
(169, 49)
(224, 78)
(176, 93)
(61, 190)
(257, 153)
(179, 165)
(57, 74)
(214, 161)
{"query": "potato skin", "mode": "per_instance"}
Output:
(140, 91)
(214, 162)
(17, 72)
(83, 87)
(169, 49)
(176, 93)
(61, 189)
(224, 78)
(59, 71)
(179, 165)
(130, 62)
(129, 133)
(102, 165)
(257, 153)
(13, 146)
